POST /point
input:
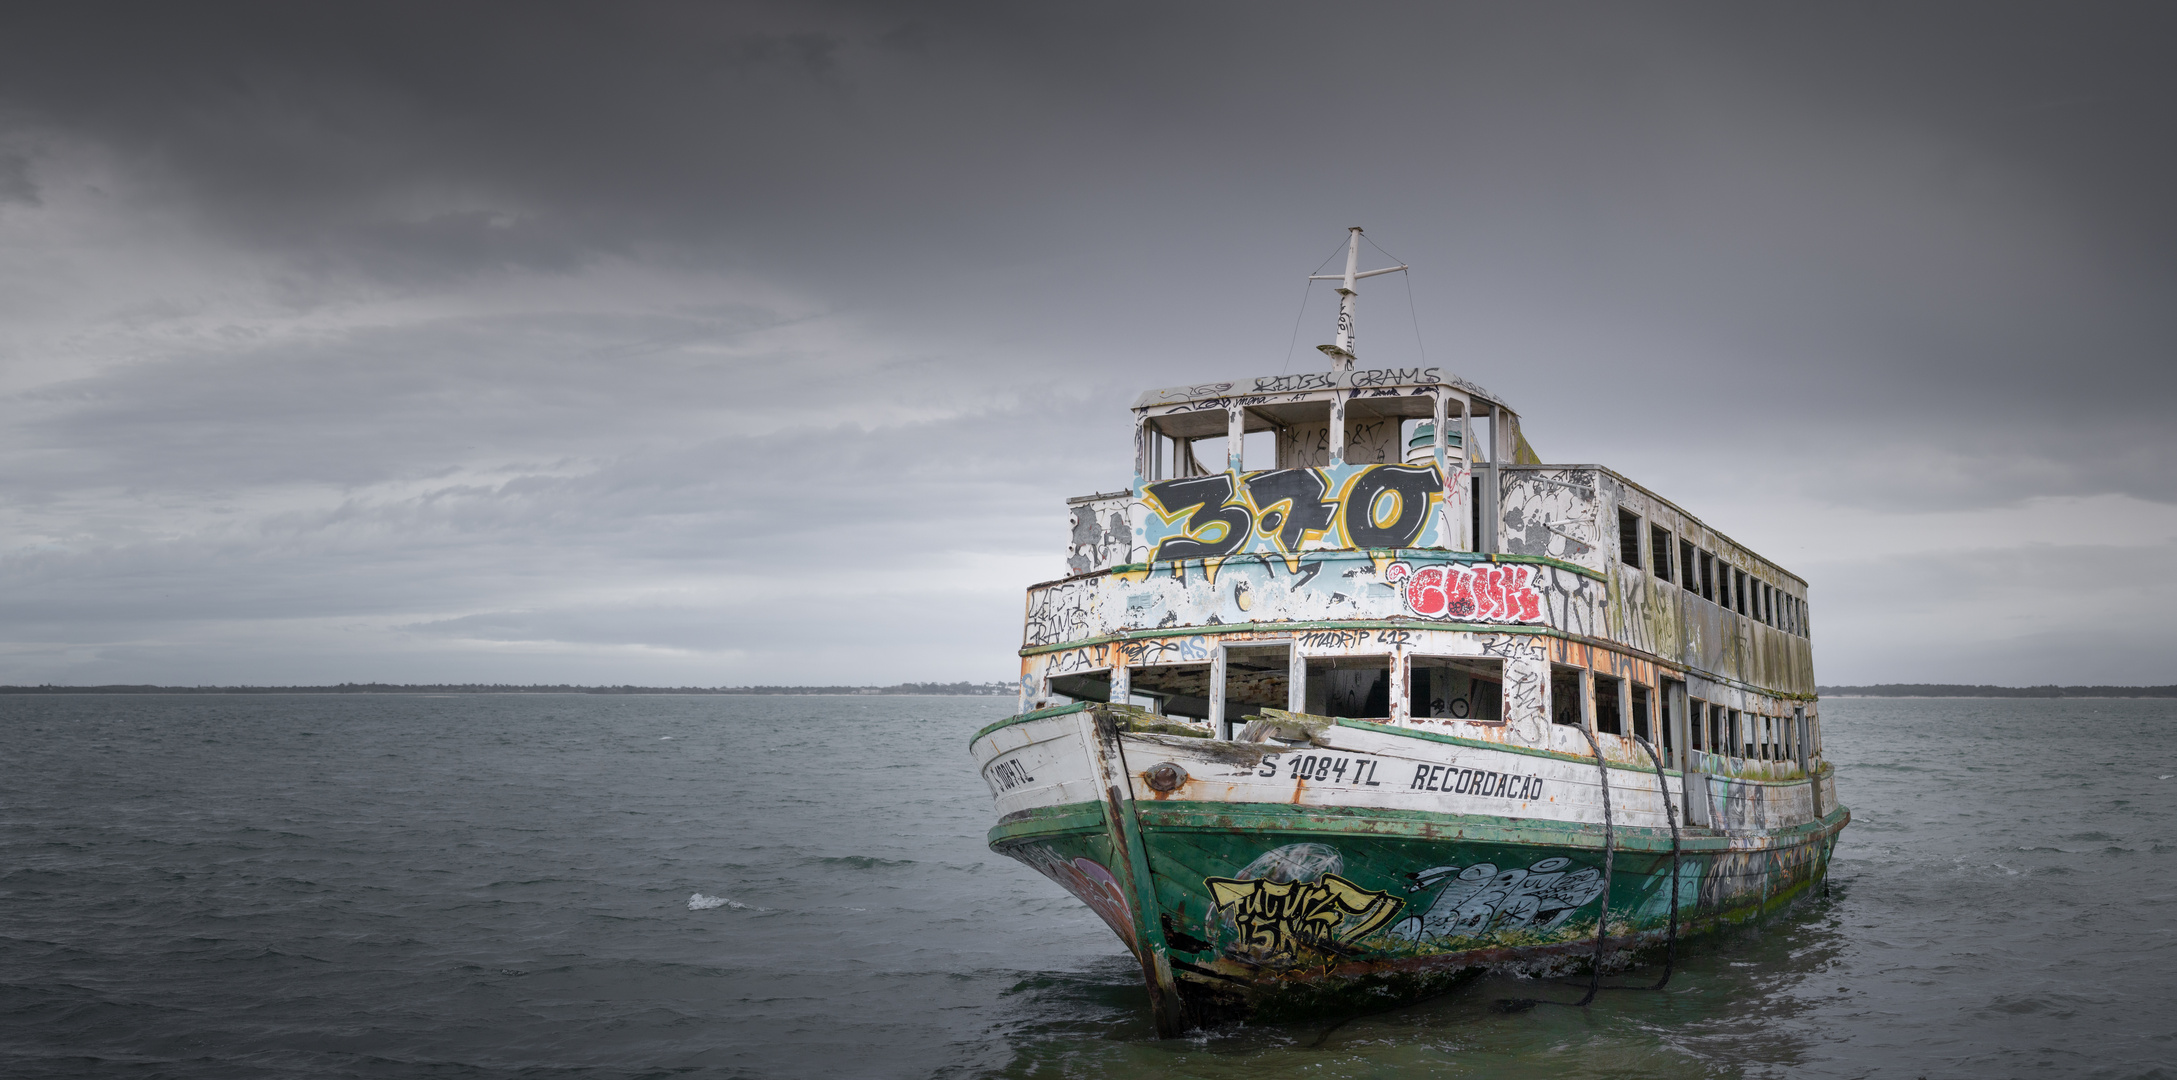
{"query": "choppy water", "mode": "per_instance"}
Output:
(798, 887)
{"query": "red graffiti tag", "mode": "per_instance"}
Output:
(1498, 593)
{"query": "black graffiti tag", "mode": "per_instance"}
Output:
(1204, 501)
(1291, 502)
(1413, 485)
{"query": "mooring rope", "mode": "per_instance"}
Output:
(1610, 852)
(1602, 919)
(1670, 813)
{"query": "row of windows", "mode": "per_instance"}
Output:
(1708, 576)
(1258, 676)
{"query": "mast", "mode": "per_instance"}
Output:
(1341, 354)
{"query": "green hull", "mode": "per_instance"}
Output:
(1269, 909)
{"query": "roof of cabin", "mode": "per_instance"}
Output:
(1268, 389)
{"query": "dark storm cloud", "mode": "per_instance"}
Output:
(1774, 260)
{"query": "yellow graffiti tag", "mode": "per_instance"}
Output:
(1277, 919)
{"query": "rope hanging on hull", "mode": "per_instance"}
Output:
(1602, 923)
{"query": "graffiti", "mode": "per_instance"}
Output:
(1545, 514)
(1291, 505)
(1511, 646)
(1481, 899)
(1333, 639)
(1100, 535)
(1287, 511)
(1476, 593)
(1277, 914)
(1210, 524)
(1189, 650)
(1073, 660)
(1062, 613)
(1397, 376)
(1089, 882)
(1326, 586)
(1313, 380)
(1524, 706)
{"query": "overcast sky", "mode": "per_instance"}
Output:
(716, 344)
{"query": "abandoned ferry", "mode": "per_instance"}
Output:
(1383, 701)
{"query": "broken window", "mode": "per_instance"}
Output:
(1456, 688)
(1628, 537)
(1257, 677)
(1708, 576)
(1697, 724)
(1608, 718)
(1687, 570)
(1357, 687)
(1643, 715)
(1174, 689)
(1659, 549)
(1565, 695)
(1084, 685)
(1738, 589)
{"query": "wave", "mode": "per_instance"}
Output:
(700, 902)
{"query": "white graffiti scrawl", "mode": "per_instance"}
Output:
(1482, 899)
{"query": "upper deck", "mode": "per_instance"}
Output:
(1364, 506)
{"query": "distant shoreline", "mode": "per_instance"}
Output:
(1960, 690)
(961, 689)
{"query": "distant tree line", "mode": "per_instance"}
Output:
(953, 688)
(1961, 690)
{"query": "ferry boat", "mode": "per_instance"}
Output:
(1380, 700)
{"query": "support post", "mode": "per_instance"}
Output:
(1337, 428)
(1401, 676)
(1235, 439)
(1681, 729)
(1296, 680)
(1122, 680)
(1587, 700)
(1217, 694)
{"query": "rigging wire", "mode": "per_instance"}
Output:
(1303, 312)
(1410, 308)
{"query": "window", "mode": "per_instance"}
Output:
(1659, 549)
(1768, 604)
(1456, 688)
(1738, 589)
(1628, 537)
(1608, 718)
(1643, 716)
(1356, 687)
(1708, 577)
(1742, 736)
(1565, 695)
(1686, 568)
(1697, 724)
(1174, 689)
(1256, 678)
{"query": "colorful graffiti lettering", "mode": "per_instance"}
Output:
(1477, 593)
(1286, 511)
(1277, 920)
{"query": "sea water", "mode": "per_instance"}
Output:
(591, 886)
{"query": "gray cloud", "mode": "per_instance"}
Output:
(485, 326)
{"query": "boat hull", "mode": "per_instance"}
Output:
(1320, 894)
